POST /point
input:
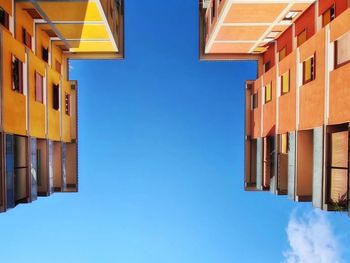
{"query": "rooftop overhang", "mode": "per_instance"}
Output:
(79, 26)
(247, 26)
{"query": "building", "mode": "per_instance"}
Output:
(297, 111)
(38, 102)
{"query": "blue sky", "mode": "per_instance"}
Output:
(161, 165)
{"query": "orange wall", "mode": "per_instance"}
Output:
(36, 109)
(17, 124)
(287, 102)
(312, 93)
(306, 21)
(269, 112)
(339, 95)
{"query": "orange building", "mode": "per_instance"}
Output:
(38, 102)
(297, 111)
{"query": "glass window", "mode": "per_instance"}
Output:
(268, 92)
(285, 82)
(309, 69)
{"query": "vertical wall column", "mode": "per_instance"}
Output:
(291, 165)
(259, 154)
(318, 172)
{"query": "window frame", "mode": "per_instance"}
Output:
(56, 96)
(6, 20)
(255, 100)
(27, 38)
(285, 53)
(298, 42)
(267, 63)
(332, 17)
(36, 74)
(282, 92)
(313, 69)
(213, 10)
(336, 65)
(67, 102)
(265, 88)
(18, 87)
(44, 58)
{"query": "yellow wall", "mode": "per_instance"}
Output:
(36, 109)
(23, 20)
(7, 5)
(54, 132)
(14, 103)
(66, 119)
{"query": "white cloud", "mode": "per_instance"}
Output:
(311, 240)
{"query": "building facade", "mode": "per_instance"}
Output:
(297, 110)
(38, 102)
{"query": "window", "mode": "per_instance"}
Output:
(267, 66)
(282, 53)
(213, 10)
(45, 54)
(301, 38)
(284, 143)
(338, 166)
(67, 103)
(309, 70)
(4, 18)
(268, 92)
(342, 51)
(39, 90)
(285, 83)
(255, 100)
(58, 66)
(56, 97)
(27, 38)
(328, 15)
(17, 75)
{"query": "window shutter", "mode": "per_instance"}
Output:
(39, 97)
